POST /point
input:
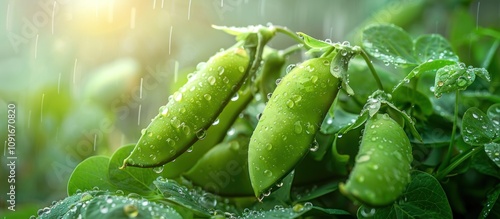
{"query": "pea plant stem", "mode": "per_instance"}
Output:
(372, 69)
(491, 54)
(447, 158)
(290, 34)
(461, 158)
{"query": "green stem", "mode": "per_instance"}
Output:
(289, 33)
(292, 49)
(372, 69)
(441, 174)
(453, 133)
(491, 53)
(328, 52)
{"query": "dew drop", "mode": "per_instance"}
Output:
(235, 97)
(207, 97)
(220, 69)
(216, 121)
(346, 43)
(290, 103)
(241, 69)
(297, 127)
(278, 81)
(131, 210)
(158, 169)
(211, 80)
(314, 146)
(269, 146)
(268, 173)
(343, 52)
(290, 68)
(201, 134)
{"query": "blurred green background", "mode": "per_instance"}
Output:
(87, 75)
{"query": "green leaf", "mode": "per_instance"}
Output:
(453, 77)
(390, 44)
(279, 212)
(493, 152)
(424, 67)
(89, 174)
(197, 200)
(494, 115)
(424, 198)
(491, 204)
(340, 119)
(477, 127)
(315, 192)
(112, 206)
(313, 44)
(339, 67)
(433, 47)
(406, 96)
(130, 179)
(100, 204)
(484, 165)
(67, 207)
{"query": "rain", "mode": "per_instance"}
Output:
(51, 52)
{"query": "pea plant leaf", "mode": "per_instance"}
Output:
(390, 44)
(339, 67)
(493, 151)
(477, 127)
(295, 211)
(309, 194)
(201, 202)
(89, 174)
(433, 47)
(494, 114)
(484, 165)
(100, 204)
(492, 205)
(130, 179)
(407, 97)
(313, 44)
(424, 67)
(423, 198)
(452, 78)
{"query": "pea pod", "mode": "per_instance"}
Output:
(289, 122)
(382, 168)
(215, 134)
(191, 109)
(224, 169)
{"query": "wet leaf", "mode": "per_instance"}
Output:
(390, 44)
(451, 78)
(197, 200)
(424, 67)
(433, 47)
(405, 96)
(340, 119)
(314, 44)
(90, 173)
(494, 115)
(491, 204)
(130, 179)
(424, 197)
(477, 127)
(493, 152)
(295, 211)
(317, 192)
(484, 165)
(339, 67)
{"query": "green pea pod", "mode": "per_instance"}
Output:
(215, 134)
(289, 122)
(382, 168)
(191, 109)
(224, 169)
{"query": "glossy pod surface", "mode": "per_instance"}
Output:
(191, 109)
(382, 168)
(289, 122)
(224, 169)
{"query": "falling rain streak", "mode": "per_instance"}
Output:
(36, 45)
(7, 19)
(139, 115)
(176, 70)
(477, 15)
(132, 18)
(41, 107)
(189, 10)
(221, 3)
(53, 15)
(170, 40)
(154, 4)
(95, 141)
(140, 89)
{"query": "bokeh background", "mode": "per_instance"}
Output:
(87, 75)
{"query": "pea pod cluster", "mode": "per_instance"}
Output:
(191, 109)
(289, 122)
(382, 167)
